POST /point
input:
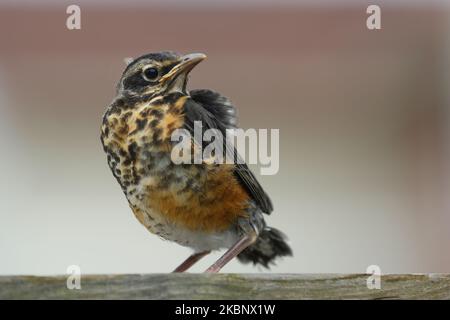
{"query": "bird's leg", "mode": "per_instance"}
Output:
(237, 248)
(191, 260)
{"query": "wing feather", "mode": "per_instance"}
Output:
(216, 112)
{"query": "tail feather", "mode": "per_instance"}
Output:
(270, 244)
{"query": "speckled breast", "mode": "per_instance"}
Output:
(165, 197)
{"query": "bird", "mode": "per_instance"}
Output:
(203, 206)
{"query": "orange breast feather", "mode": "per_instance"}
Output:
(213, 209)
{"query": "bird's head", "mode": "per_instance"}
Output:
(158, 73)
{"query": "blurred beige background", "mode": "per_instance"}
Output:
(363, 116)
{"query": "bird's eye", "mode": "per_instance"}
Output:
(150, 74)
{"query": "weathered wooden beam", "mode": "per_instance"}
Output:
(228, 286)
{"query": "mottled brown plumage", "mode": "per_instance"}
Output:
(203, 206)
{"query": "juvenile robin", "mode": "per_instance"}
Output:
(206, 206)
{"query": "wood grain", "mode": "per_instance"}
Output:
(228, 286)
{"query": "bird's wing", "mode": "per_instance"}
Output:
(217, 112)
(218, 105)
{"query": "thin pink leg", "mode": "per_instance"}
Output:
(190, 261)
(237, 248)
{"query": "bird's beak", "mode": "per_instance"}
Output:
(187, 63)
